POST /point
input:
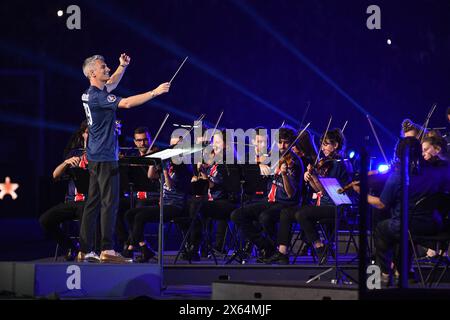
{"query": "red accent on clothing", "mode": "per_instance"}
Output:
(141, 195)
(319, 196)
(259, 192)
(273, 190)
(84, 162)
(79, 197)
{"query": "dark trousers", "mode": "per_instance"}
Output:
(122, 227)
(287, 218)
(201, 210)
(387, 237)
(267, 214)
(51, 220)
(104, 198)
(138, 217)
(308, 217)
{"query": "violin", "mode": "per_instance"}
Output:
(375, 181)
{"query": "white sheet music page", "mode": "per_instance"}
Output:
(331, 186)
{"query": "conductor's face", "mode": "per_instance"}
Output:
(101, 71)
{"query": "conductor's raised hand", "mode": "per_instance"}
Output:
(162, 88)
(124, 60)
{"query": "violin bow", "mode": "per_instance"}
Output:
(421, 134)
(273, 142)
(344, 126)
(308, 104)
(157, 134)
(376, 138)
(290, 146)
(324, 136)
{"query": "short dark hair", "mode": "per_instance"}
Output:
(140, 130)
(334, 136)
(286, 134)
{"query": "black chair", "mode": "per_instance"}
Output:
(439, 202)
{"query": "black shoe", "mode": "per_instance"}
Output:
(71, 255)
(146, 254)
(191, 255)
(322, 255)
(126, 253)
(278, 258)
(265, 254)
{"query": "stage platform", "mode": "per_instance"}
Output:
(204, 280)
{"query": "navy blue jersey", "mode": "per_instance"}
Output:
(180, 176)
(276, 190)
(430, 180)
(100, 108)
(340, 170)
(215, 175)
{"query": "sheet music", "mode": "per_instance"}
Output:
(331, 186)
(169, 153)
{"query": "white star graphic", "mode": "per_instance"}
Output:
(8, 188)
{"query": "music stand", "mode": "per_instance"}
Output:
(331, 186)
(251, 182)
(160, 158)
(80, 178)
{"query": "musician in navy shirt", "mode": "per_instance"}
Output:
(284, 191)
(425, 179)
(176, 181)
(103, 153)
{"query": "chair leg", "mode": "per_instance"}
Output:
(56, 253)
(416, 259)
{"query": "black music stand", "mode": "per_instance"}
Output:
(135, 178)
(160, 158)
(251, 183)
(341, 201)
(81, 179)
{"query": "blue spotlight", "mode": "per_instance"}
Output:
(351, 154)
(382, 168)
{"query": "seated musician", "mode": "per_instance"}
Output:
(176, 183)
(217, 204)
(284, 191)
(307, 152)
(331, 166)
(72, 207)
(424, 180)
(434, 150)
(142, 141)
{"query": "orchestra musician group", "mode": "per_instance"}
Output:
(293, 191)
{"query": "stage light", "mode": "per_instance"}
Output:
(60, 13)
(389, 41)
(351, 154)
(383, 168)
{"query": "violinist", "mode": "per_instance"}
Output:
(175, 182)
(434, 150)
(72, 207)
(307, 152)
(424, 180)
(332, 165)
(217, 203)
(142, 141)
(284, 191)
